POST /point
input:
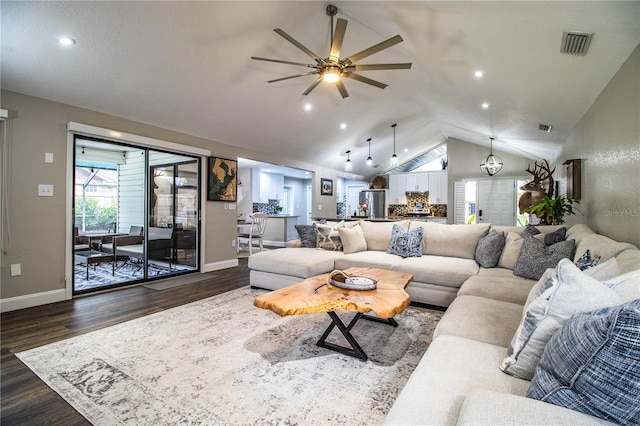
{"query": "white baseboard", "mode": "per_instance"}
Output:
(219, 265)
(274, 243)
(30, 300)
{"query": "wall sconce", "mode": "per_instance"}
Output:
(492, 164)
(394, 157)
(348, 166)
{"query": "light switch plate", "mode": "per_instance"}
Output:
(45, 190)
(16, 269)
(48, 157)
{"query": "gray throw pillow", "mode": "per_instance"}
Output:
(586, 261)
(489, 249)
(591, 365)
(531, 230)
(307, 234)
(536, 256)
(405, 243)
(555, 236)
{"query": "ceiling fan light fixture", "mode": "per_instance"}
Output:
(491, 164)
(331, 74)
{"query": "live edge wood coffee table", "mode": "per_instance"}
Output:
(313, 295)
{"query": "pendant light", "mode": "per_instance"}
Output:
(492, 164)
(369, 159)
(394, 157)
(348, 166)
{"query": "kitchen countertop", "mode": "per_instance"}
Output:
(385, 219)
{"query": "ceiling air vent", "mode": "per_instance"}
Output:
(574, 43)
(545, 127)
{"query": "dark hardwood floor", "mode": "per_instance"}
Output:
(25, 399)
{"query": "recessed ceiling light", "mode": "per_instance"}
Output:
(66, 41)
(343, 126)
(307, 107)
(485, 105)
(479, 74)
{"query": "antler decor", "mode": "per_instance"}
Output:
(540, 187)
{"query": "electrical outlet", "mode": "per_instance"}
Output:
(232, 206)
(16, 269)
(233, 243)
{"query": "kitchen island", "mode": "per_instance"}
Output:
(384, 219)
(280, 229)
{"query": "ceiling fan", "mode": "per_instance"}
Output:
(333, 69)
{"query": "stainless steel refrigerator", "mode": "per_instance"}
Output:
(376, 200)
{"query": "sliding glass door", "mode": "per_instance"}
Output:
(136, 214)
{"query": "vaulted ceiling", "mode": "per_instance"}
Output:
(187, 66)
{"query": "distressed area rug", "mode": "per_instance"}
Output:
(223, 361)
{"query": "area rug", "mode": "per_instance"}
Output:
(102, 275)
(223, 361)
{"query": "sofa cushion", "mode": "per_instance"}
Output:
(352, 239)
(489, 249)
(510, 289)
(297, 262)
(308, 235)
(558, 295)
(483, 407)
(591, 365)
(448, 371)
(536, 257)
(405, 243)
(378, 234)
(445, 271)
(601, 246)
(481, 319)
(367, 259)
(451, 240)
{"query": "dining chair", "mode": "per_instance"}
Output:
(256, 231)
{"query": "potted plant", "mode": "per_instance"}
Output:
(551, 211)
(279, 209)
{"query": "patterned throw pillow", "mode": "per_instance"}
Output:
(307, 234)
(405, 243)
(555, 236)
(489, 249)
(591, 365)
(327, 236)
(560, 293)
(536, 256)
(530, 230)
(586, 261)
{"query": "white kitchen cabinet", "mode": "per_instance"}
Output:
(438, 187)
(417, 182)
(397, 188)
(266, 186)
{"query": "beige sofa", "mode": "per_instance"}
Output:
(458, 380)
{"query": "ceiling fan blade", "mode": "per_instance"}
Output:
(342, 89)
(313, 86)
(338, 37)
(366, 80)
(374, 67)
(374, 49)
(292, 76)
(281, 61)
(297, 44)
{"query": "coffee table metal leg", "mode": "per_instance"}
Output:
(389, 321)
(355, 350)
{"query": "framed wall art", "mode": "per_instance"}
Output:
(326, 186)
(222, 179)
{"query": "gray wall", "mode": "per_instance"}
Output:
(607, 139)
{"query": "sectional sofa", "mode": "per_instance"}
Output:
(468, 374)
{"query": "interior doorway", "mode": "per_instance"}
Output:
(135, 215)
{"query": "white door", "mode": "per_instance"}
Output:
(496, 201)
(353, 198)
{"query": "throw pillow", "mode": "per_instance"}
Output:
(586, 261)
(605, 270)
(489, 249)
(511, 251)
(626, 285)
(555, 236)
(591, 365)
(327, 236)
(405, 243)
(561, 293)
(530, 230)
(536, 257)
(352, 239)
(307, 235)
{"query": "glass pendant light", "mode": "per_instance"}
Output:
(369, 159)
(394, 157)
(348, 166)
